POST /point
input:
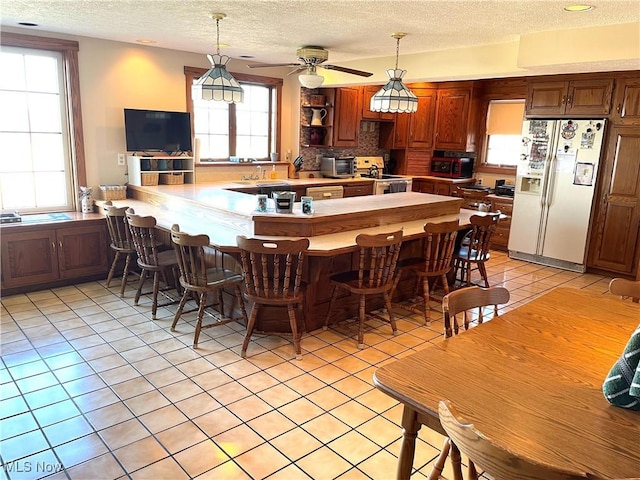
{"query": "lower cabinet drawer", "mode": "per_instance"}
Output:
(357, 191)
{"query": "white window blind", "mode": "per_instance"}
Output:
(504, 124)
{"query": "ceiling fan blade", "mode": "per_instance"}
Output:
(267, 65)
(297, 70)
(347, 70)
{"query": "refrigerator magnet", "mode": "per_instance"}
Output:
(568, 129)
(583, 174)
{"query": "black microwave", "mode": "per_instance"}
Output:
(449, 167)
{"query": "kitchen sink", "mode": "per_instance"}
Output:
(279, 183)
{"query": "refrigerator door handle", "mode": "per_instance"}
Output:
(545, 176)
(552, 179)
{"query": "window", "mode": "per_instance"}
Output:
(247, 130)
(43, 160)
(504, 124)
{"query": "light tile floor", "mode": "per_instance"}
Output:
(92, 388)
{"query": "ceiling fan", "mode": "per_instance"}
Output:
(311, 57)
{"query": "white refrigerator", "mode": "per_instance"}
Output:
(555, 183)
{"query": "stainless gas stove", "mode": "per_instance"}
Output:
(373, 167)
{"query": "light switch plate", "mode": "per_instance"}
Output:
(121, 159)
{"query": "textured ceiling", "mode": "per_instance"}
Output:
(271, 30)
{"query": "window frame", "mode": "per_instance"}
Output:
(71, 86)
(193, 73)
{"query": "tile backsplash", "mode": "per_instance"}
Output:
(367, 146)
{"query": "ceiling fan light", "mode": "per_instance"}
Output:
(394, 97)
(310, 80)
(218, 84)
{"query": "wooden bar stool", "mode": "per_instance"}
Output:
(196, 277)
(150, 259)
(473, 251)
(435, 263)
(472, 198)
(121, 242)
(273, 277)
(375, 274)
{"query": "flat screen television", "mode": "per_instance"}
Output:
(157, 131)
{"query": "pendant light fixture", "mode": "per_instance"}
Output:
(395, 97)
(218, 84)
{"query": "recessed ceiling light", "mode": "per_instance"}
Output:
(28, 24)
(246, 56)
(578, 8)
(145, 41)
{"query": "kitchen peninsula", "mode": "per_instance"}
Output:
(222, 214)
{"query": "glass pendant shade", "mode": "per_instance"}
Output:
(394, 97)
(218, 84)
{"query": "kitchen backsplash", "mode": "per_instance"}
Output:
(367, 147)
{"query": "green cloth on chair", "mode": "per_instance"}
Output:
(622, 386)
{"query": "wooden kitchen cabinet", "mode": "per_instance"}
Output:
(346, 119)
(357, 189)
(439, 186)
(453, 123)
(627, 102)
(574, 97)
(615, 241)
(413, 130)
(421, 123)
(44, 254)
(501, 235)
(368, 91)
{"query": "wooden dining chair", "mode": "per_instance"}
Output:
(497, 461)
(120, 241)
(378, 256)
(200, 279)
(473, 251)
(465, 299)
(435, 263)
(625, 288)
(273, 272)
(150, 258)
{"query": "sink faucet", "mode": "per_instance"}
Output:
(257, 175)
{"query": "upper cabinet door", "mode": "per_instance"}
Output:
(452, 117)
(627, 102)
(546, 98)
(589, 97)
(346, 120)
(571, 98)
(401, 130)
(369, 91)
(422, 122)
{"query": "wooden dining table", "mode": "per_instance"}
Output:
(531, 380)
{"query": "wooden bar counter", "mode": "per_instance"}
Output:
(332, 228)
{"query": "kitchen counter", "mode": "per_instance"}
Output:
(222, 214)
(235, 210)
